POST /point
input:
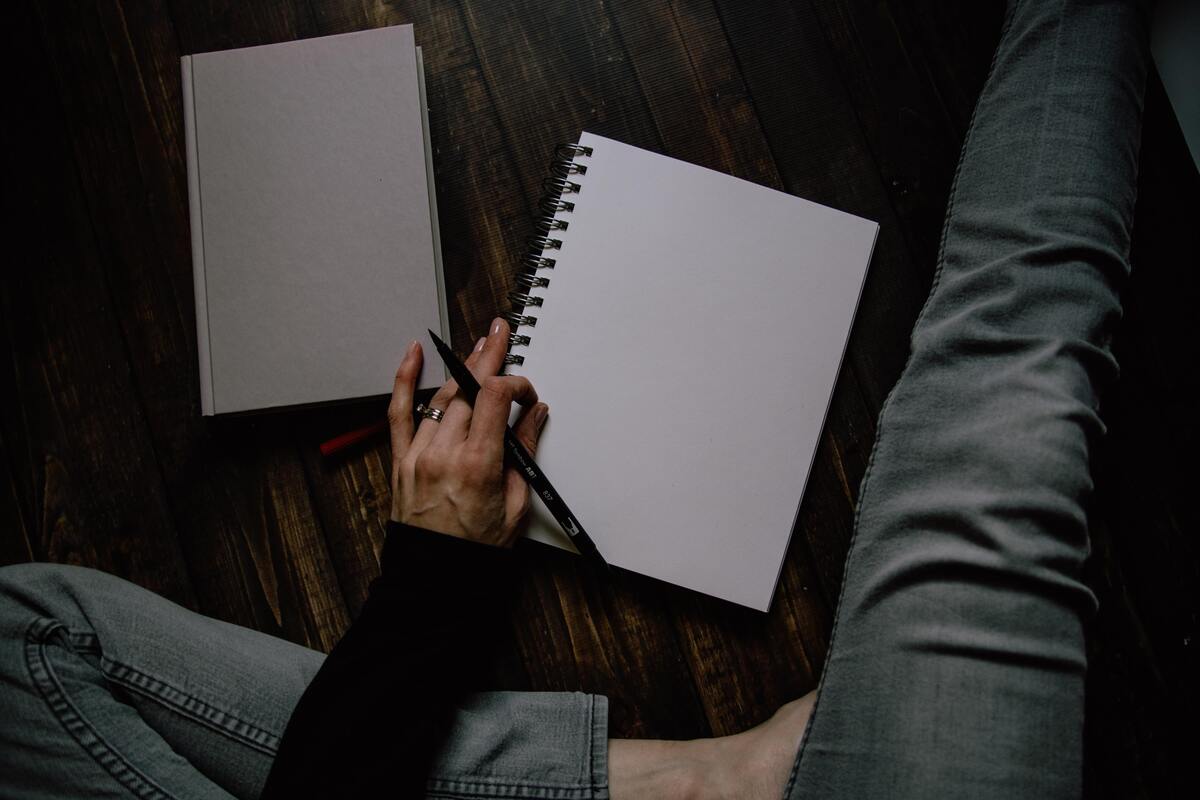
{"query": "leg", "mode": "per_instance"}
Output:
(957, 663)
(110, 690)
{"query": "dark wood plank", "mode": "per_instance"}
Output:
(16, 517)
(949, 46)
(79, 449)
(237, 489)
(15, 544)
(568, 72)
(692, 90)
(576, 632)
(912, 138)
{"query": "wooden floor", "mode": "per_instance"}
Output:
(860, 104)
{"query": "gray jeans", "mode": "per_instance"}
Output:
(957, 662)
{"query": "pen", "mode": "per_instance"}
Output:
(523, 461)
(339, 443)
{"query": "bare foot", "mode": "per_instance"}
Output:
(752, 765)
(765, 754)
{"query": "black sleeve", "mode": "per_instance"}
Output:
(379, 707)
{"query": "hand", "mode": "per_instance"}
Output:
(450, 476)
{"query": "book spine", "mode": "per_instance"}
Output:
(199, 278)
(439, 273)
(540, 248)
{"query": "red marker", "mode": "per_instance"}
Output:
(340, 443)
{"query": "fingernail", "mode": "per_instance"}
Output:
(539, 415)
(412, 348)
(496, 325)
(479, 345)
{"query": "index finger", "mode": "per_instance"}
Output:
(400, 419)
(492, 406)
(484, 362)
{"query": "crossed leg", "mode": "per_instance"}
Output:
(957, 662)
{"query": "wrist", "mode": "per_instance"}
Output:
(403, 522)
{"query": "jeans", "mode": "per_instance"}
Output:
(957, 662)
(108, 690)
(956, 666)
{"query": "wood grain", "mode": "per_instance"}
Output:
(238, 496)
(82, 464)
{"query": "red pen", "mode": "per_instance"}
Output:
(339, 443)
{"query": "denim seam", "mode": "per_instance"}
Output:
(106, 756)
(158, 691)
(465, 790)
(586, 787)
(586, 770)
(180, 702)
(1049, 108)
(599, 746)
(864, 484)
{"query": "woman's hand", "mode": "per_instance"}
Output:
(449, 476)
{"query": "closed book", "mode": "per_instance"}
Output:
(313, 218)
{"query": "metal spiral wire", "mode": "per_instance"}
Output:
(551, 204)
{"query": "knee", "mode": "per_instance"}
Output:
(29, 591)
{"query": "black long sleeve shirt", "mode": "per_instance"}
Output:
(380, 706)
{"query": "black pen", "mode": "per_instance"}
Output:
(523, 461)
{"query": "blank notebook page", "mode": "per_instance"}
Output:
(688, 345)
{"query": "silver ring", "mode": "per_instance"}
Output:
(434, 414)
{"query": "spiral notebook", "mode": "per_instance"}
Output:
(686, 328)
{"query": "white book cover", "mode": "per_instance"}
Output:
(313, 219)
(687, 344)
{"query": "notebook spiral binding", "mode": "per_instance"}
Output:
(539, 250)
